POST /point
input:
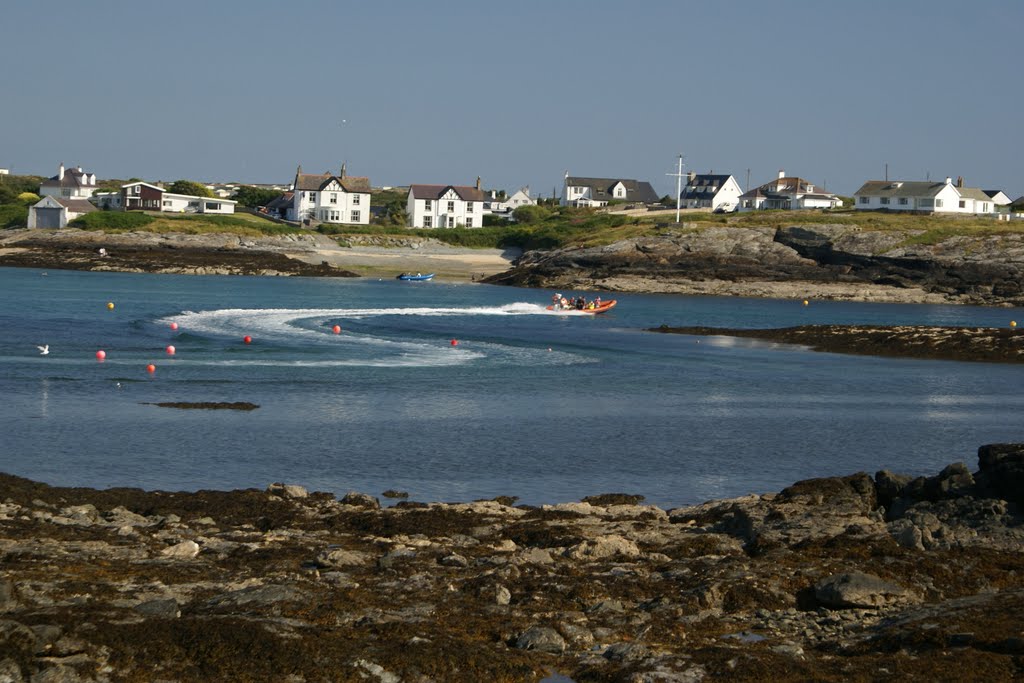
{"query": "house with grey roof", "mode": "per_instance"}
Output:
(72, 183)
(445, 206)
(57, 212)
(923, 197)
(327, 198)
(596, 192)
(715, 191)
(788, 192)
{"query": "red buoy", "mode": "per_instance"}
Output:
(174, 326)
(455, 342)
(101, 354)
(151, 368)
(247, 339)
(336, 329)
(170, 350)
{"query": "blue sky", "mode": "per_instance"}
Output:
(517, 93)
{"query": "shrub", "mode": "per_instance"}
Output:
(116, 220)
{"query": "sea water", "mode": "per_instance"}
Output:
(461, 391)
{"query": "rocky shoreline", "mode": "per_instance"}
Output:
(843, 578)
(835, 262)
(984, 344)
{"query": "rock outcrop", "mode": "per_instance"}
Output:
(823, 261)
(841, 578)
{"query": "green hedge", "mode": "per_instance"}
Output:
(13, 216)
(117, 220)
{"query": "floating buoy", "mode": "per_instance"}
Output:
(170, 350)
(101, 354)
(805, 302)
(455, 342)
(151, 368)
(549, 348)
(110, 305)
(336, 329)
(174, 326)
(247, 339)
(1013, 323)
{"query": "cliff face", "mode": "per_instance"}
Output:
(828, 261)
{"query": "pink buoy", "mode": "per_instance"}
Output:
(101, 354)
(174, 326)
(170, 350)
(336, 329)
(151, 368)
(455, 342)
(247, 339)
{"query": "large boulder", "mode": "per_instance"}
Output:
(1001, 470)
(860, 591)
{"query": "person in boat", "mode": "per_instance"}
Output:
(581, 303)
(597, 302)
(556, 301)
(563, 303)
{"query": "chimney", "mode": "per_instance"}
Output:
(959, 181)
(782, 174)
(690, 176)
(949, 181)
(342, 170)
(60, 171)
(478, 182)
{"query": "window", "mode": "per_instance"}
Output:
(427, 222)
(334, 198)
(903, 201)
(427, 204)
(355, 199)
(963, 204)
(864, 200)
(938, 203)
(355, 216)
(883, 200)
(451, 207)
(311, 196)
(469, 207)
(136, 190)
(469, 222)
(451, 221)
(213, 206)
(167, 202)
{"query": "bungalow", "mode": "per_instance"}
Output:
(330, 198)
(710, 191)
(786, 192)
(142, 196)
(924, 197)
(445, 206)
(57, 212)
(595, 192)
(73, 183)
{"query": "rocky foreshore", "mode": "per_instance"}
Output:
(846, 578)
(982, 344)
(836, 262)
(170, 253)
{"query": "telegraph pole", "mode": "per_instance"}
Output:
(679, 184)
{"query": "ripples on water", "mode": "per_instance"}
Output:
(528, 403)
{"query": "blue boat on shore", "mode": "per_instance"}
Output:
(418, 277)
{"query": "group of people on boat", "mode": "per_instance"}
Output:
(579, 303)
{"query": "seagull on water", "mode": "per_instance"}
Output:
(43, 350)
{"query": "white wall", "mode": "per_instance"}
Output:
(461, 213)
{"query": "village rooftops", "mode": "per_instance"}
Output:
(311, 182)
(601, 189)
(466, 193)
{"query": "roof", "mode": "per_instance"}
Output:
(973, 193)
(315, 182)
(219, 200)
(76, 205)
(142, 182)
(466, 193)
(283, 200)
(790, 186)
(72, 178)
(900, 188)
(601, 188)
(704, 186)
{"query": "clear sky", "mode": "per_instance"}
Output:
(517, 93)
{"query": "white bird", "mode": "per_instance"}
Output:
(43, 350)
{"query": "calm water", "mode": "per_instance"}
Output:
(545, 407)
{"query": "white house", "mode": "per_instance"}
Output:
(445, 206)
(143, 196)
(710, 191)
(73, 183)
(1001, 200)
(596, 192)
(507, 205)
(56, 212)
(788, 192)
(330, 199)
(924, 197)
